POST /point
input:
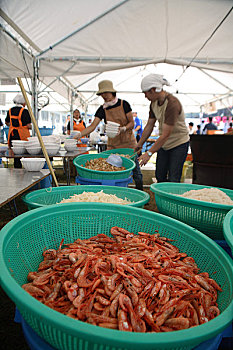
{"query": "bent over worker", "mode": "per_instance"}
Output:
(19, 121)
(119, 111)
(173, 142)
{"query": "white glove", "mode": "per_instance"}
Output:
(75, 134)
(121, 129)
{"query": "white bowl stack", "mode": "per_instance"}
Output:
(33, 164)
(70, 145)
(52, 144)
(112, 129)
(33, 146)
(19, 146)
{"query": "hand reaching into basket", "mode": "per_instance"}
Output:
(144, 158)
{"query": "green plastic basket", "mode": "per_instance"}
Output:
(24, 238)
(204, 216)
(127, 151)
(104, 175)
(228, 229)
(54, 195)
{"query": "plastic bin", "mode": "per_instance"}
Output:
(118, 182)
(46, 131)
(224, 246)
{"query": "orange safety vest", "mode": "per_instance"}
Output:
(78, 127)
(22, 130)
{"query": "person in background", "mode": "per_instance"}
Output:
(226, 126)
(209, 126)
(119, 111)
(78, 124)
(230, 129)
(191, 130)
(137, 126)
(19, 121)
(202, 126)
(173, 142)
(198, 131)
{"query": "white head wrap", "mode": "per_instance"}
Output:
(19, 99)
(153, 81)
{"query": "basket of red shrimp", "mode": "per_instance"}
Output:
(100, 276)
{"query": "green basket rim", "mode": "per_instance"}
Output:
(206, 330)
(126, 150)
(103, 172)
(228, 234)
(28, 197)
(157, 188)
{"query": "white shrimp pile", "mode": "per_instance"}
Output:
(213, 195)
(99, 197)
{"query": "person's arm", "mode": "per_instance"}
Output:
(8, 124)
(167, 129)
(29, 126)
(138, 128)
(89, 129)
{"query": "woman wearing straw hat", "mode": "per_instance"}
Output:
(173, 142)
(118, 111)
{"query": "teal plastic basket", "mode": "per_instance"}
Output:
(228, 229)
(24, 238)
(126, 151)
(80, 162)
(204, 216)
(54, 195)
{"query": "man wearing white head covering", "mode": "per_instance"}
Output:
(19, 121)
(173, 142)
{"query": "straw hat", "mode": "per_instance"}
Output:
(105, 86)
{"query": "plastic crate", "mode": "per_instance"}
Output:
(204, 216)
(24, 238)
(126, 151)
(41, 198)
(80, 162)
(228, 229)
(46, 131)
(225, 246)
(118, 182)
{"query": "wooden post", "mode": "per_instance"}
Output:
(37, 131)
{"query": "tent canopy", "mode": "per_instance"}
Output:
(77, 44)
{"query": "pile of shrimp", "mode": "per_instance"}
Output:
(129, 282)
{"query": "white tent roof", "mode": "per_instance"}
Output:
(77, 40)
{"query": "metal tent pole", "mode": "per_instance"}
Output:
(37, 131)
